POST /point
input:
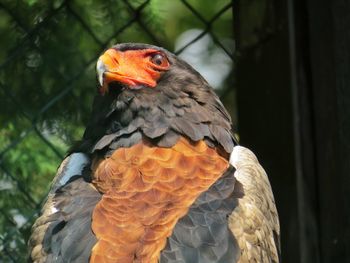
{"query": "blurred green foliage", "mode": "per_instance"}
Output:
(48, 51)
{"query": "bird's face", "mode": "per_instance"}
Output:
(132, 68)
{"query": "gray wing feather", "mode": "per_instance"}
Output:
(63, 231)
(203, 235)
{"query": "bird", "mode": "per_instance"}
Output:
(158, 175)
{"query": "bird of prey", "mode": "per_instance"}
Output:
(158, 175)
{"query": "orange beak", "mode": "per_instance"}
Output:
(131, 68)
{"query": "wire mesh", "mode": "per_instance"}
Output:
(47, 74)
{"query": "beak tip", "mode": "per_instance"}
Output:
(100, 70)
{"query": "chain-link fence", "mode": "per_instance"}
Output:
(47, 80)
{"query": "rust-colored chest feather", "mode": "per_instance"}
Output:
(146, 190)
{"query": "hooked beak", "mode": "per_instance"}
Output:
(100, 69)
(107, 70)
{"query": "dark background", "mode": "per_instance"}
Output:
(293, 102)
(282, 68)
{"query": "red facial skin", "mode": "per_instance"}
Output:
(133, 67)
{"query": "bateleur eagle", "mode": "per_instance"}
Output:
(158, 175)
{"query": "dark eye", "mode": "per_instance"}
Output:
(159, 60)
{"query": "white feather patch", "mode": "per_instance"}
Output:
(234, 158)
(71, 166)
(53, 210)
(74, 166)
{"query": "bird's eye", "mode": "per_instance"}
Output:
(159, 60)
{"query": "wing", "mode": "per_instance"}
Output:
(234, 221)
(254, 222)
(203, 235)
(63, 231)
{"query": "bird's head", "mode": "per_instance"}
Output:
(158, 94)
(132, 65)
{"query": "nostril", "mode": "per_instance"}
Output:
(111, 56)
(115, 60)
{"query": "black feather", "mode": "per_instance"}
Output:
(69, 237)
(203, 235)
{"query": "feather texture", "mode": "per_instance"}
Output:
(63, 231)
(203, 235)
(146, 190)
(254, 222)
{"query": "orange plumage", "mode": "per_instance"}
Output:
(146, 190)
